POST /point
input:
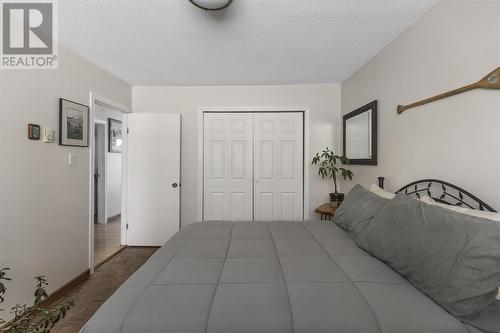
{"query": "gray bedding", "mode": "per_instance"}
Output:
(453, 258)
(220, 277)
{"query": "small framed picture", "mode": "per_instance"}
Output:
(73, 123)
(114, 136)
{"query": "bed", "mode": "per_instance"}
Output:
(219, 277)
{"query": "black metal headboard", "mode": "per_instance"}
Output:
(444, 192)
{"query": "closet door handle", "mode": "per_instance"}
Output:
(174, 185)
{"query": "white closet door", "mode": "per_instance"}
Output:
(228, 166)
(278, 166)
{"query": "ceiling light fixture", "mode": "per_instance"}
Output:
(211, 4)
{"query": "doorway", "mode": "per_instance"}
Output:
(107, 182)
(253, 166)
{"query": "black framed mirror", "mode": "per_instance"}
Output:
(360, 135)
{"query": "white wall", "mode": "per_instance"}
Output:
(457, 139)
(44, 217)
(113, 165)
(323, 102)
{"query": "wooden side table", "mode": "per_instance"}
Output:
(326, 211)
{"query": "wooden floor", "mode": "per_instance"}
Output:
(106, 240)
(89, 296)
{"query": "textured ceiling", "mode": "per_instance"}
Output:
(171, 42)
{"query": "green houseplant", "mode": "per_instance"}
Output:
(330, 167)
(34, 318)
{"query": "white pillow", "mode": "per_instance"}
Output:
(381, 192)
(467, 211)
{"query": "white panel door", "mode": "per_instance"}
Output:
(278, 166)
(100, 173)
(153, 176)
(228, 177)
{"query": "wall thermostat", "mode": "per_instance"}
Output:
(33, 132)
(48, 135)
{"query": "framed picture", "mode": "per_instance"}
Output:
(114, 136)
(73, 123)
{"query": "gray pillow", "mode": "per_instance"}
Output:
(451, 257)
(358, 206)
(488, 320)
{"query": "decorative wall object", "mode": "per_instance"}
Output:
(33, 132)
(73, 123)
(490, 81)
(360, 135)
(114, 136)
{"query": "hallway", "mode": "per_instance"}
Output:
(106, 239)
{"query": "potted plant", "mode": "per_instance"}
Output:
(32, 318)
(327, 161)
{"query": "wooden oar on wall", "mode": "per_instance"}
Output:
(490, 81)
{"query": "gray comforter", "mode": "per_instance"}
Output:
(232, 277)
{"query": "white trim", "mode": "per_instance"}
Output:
(228, 109)
(307, 140)
(103, 101)
(123, 234)
(91, 182)
(201, 135)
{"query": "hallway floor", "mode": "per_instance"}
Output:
(106, 239)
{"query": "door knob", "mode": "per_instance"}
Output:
(174, 185)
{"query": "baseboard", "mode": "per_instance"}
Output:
(60, 292)
(111, 218)
(57, 294)
(122, 247)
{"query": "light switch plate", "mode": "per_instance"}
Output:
(71, 159)
(48, 135)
